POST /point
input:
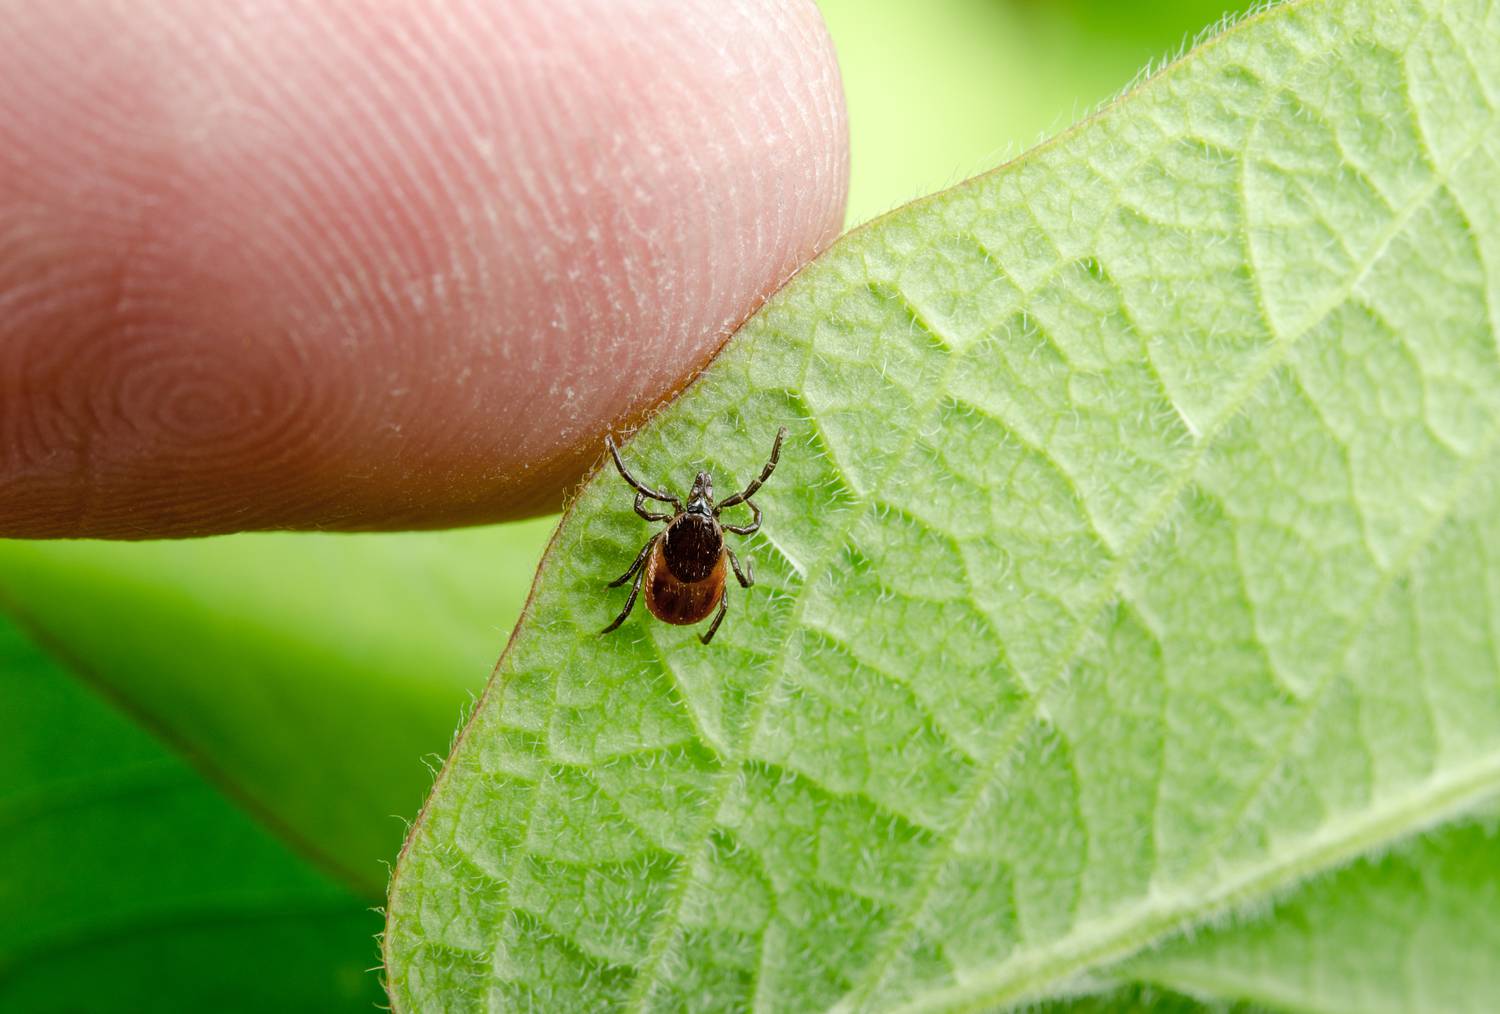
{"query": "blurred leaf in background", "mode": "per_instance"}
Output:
(210, 751)
(309, 679)
(129, 882)
(939, 92)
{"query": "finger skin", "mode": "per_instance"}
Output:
(380, 264)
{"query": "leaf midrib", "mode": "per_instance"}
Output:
(1428, 804)
(1134, 930)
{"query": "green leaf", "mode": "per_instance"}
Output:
(308, 675)
(911, 72)
(1412, 930)
(1127, 566)
(129, 883)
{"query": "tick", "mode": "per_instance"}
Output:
(685, 566)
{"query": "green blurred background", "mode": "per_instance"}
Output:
(209, 748)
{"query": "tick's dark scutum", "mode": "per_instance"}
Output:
(691, 546)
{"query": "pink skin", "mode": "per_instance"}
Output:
(380, 264)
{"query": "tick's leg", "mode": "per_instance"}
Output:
(765, 474)
(746, 576)
(640, 508)
(635, 590)
(752, 527)
(718, 618)
(636, 484)
(639, 560)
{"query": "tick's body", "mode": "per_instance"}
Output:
(685, 593)
(685, 566)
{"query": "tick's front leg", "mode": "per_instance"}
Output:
(636, 484)
(640, 508)
(752, 527)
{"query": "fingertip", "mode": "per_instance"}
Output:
(381, 265)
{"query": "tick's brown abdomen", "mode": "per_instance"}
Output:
(682, 602)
